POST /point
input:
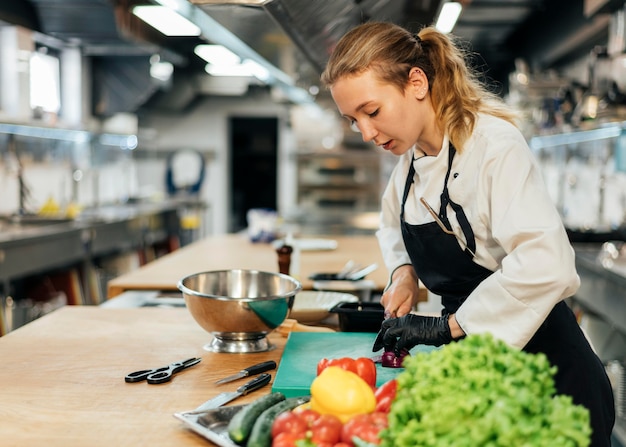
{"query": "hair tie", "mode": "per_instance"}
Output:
(418, 38)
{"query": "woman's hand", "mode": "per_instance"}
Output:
(398, 334)
(401, 296)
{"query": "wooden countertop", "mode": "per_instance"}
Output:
(63, 378)
(235, 251)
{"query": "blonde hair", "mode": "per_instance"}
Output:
(391, 51)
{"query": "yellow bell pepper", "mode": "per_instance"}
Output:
(341, 393)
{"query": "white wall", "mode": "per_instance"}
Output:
(205, 128)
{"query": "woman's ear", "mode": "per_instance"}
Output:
(418, 83)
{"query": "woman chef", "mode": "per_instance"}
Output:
(465, 209)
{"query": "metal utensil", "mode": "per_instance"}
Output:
(223, 398)
(160, 375)
(249, 371)
(346, 269)
(359, 274)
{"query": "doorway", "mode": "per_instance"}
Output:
(253, 168)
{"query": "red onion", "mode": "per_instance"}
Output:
(391, 360)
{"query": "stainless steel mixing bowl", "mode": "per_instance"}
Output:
(239, 307)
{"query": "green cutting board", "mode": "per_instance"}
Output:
(303, 350)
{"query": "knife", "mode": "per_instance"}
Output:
(223, 398)
(250, 371)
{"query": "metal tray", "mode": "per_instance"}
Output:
(214, 426)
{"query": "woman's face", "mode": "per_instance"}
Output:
(392, 119)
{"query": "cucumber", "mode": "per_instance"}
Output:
(261, 434)
(241, 424)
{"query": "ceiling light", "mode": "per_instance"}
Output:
(257, 70)
(217, 54)
(162, 71)
(226, 70)
(449, 14)
(247, 68)
(166, 20)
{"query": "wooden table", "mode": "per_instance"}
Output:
(63, 378)
(235, 251)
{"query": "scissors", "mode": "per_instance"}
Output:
(161, 375)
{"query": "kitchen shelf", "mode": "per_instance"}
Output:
(123, 141)
(585, 173)
(345, 180)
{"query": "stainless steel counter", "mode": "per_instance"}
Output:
(602, 293)
(603, 285)
(29, 246)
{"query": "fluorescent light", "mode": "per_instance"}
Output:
(257, 70)
(226, 70)
(217, 54)
(166, 20)
(246, 68)
(448, 16)
(223, 62)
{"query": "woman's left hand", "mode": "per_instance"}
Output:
(397, 334)
(401, 296)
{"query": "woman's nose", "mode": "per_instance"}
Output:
(367, 131)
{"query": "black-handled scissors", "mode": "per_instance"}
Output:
(160, 375)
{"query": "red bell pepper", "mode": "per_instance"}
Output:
(364, 367)
(365, 427)
(385, 394)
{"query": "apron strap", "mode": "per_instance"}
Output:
(470, 240)
(407, 187)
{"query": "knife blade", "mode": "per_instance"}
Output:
(249, 371)
(223, 398)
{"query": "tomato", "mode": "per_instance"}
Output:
(366, 369)
(385, 394)
(365, 427)
(363, 367)
(326, 428)
(309, 416)
(285, 440)
(289, 422)
(384, 404)
(321, 365)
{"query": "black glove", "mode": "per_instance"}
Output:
(410, 330)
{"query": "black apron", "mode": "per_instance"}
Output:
(449, 271)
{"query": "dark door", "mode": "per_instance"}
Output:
(253, 169)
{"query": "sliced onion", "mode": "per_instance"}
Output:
(391, 360)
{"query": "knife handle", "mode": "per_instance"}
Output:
(256, 383)
(260, 367)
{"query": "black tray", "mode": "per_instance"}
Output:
(359, 317)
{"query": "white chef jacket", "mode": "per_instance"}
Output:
(519, 234)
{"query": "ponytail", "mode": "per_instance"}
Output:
(456, 91)
(391, 51)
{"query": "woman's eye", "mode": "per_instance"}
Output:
(373, 114)
(354, 126)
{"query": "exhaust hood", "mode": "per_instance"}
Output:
(295, 37)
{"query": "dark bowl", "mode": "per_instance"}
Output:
(359, 317)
